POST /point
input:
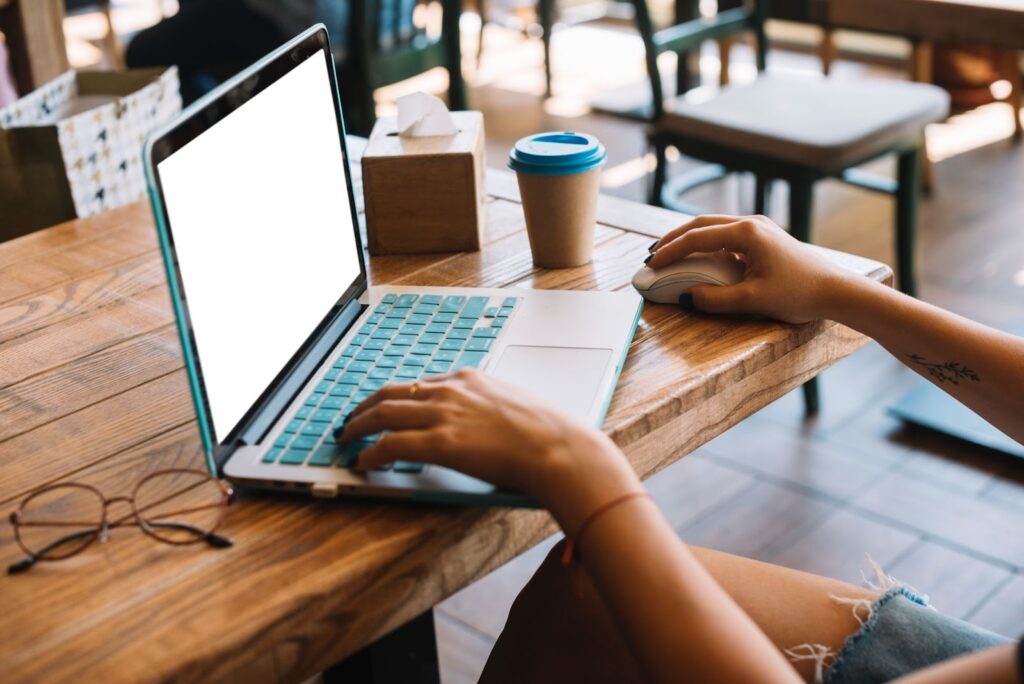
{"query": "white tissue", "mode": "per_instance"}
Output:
(421, 115)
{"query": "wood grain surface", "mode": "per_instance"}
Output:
(998, 23)
(92, 389)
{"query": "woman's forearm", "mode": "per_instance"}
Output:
(979, 366)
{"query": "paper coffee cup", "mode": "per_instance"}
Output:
(559, 180)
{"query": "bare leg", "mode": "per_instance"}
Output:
(558, 629)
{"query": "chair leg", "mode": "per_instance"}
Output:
(762, 193)
(1011, 72)
(908, 178)
(481, 6)
(546, 12)
(801, 205)
(660, 171)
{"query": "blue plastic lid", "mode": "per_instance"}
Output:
(556, 154)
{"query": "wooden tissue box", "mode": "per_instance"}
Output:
(425, 194)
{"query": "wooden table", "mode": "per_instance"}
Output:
(93, 390)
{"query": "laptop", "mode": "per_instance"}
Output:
(282, 334)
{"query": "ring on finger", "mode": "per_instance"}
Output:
(413, 389)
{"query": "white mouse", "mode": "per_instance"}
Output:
(664, 285)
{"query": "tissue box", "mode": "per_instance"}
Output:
(425, 194)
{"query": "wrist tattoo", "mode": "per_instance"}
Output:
(950, 371)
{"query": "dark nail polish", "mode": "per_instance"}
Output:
(653, 245)
(341, 429)
(686, 302)
(649, 257)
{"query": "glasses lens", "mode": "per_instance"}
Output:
(60, 521)
(180, 507)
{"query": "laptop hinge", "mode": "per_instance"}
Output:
(313, 359)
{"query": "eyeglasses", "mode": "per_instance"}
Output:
(176, 506)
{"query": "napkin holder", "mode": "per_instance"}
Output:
(425, 194)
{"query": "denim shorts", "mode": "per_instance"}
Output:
(902, 633)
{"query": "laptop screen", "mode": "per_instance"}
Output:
(262, 228)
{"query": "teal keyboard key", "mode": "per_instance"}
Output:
(430, 299)
(351, 379)
(342, 390)
(414, 361)
(390, 324)
(332, 374)
(408, 467)
(403, 340)
(341, 362)
(350, 351)
(358, 340)
(437, 328)
(504, 311)
(304, 412)
(381, 373)
(377, 345)
(390, 298)
(314, 399)
(438, 366)
(397, 313)
(445, 355)
(509, 301)
(465, 323)
(428, 374)
(425, 309)
(324, 416)
(396, 350)
(283, 440)
(293, 426)
(385, 334)
(423, 349)
(469, 359)
(480, 344)
(371, 385)
(271, 455)
(409, 329)
(324, 386)
(388, 362)
(368, 355)
(453, 345)
(324, 455)
(485, 332)
(458, 334)
(333, 403)
(431, 338)
(315, 429)
(360, 397)
(381, 309)
(406, 300)
(359, 366)
(474, 307)
(490, 312)
(367, 329)
(375, 318)
(418, 319)
(408, 372)
(453, 303)
(304, 443)
(294, 456)
(498, 323)
(445, 317)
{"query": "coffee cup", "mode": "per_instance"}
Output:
(559, 177)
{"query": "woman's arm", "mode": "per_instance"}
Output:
(979, 366)
(677, 621)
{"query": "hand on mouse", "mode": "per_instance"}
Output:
(784, 279)
(496, 432)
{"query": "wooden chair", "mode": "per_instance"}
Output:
(795, 130)
(370, 64)
(545, 17)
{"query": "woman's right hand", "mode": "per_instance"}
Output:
(785, 279)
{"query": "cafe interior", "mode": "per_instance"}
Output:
(884, 136)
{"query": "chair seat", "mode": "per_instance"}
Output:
(825, 123)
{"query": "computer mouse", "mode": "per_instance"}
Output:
(664, 285)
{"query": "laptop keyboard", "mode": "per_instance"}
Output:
(407, 337)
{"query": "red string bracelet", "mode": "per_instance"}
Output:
(573, 542)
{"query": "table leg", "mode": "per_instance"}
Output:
(1011, 72)
(921, 71)
(407, 655)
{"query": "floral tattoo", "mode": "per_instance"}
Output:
(950, 371)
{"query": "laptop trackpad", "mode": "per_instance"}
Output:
(566, 377)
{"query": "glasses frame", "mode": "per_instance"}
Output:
(134, 519)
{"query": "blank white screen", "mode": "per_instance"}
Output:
(261, 224)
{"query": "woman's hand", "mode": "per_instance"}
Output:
(785, 279)
(496, 432)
